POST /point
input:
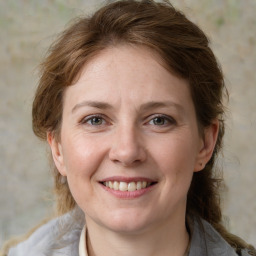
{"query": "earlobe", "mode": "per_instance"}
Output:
(208, 144)
(57, 153)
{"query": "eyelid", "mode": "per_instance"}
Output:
(85, 119)
(170, 119)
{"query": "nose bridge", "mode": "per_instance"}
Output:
(127, 146)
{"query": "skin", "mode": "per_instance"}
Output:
(145, 128)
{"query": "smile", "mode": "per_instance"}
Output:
(127, 186)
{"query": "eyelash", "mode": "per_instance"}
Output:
(91, 117)
(167, 120)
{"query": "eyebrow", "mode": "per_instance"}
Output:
(144, 107)
(94, 104)
(161, 104)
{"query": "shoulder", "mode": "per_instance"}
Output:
(205, 240)
(247, 253)
(58, 236)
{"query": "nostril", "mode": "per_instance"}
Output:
(126, 159)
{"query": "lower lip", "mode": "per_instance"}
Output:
(128, 194)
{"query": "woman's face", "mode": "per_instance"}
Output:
(129, 141)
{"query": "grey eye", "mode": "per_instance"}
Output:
(96, 121)
(159, 121)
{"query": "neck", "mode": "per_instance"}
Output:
(163, 240)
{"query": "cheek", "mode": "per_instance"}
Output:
(81, 156)
(175, 159)
(177, 153)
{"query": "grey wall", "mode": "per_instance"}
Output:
(26, 29)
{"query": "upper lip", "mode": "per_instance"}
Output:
(127, 179)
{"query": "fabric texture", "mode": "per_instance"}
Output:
(82, 243)
(62, 236)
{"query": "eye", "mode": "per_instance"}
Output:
(162, 120)
(159, 121)
(94, 120)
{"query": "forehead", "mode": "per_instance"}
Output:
(127, 73)
(121, 59)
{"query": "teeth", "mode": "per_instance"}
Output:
(139, 185)
(132, 186)
(124, 186)
(110, 184)
(116, 185)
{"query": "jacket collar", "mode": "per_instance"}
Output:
(205, 240)
(61, 237)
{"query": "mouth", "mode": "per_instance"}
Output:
(130, 186)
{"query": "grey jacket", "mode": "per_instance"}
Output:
(61, 237)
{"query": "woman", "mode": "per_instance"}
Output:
(130, 102)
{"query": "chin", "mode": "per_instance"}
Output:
(128, 223)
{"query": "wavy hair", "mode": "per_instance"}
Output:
(184, 49)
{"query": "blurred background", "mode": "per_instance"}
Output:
(27, 27)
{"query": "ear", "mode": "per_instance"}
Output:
(209, 138)
(57, 153)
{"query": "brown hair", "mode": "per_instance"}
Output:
(184, 49)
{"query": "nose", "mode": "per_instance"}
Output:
(127, 147)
